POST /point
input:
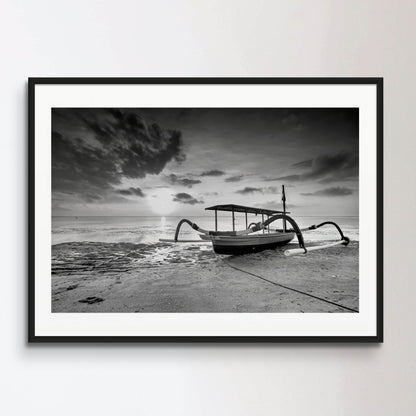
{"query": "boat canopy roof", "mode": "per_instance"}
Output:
(242, 208)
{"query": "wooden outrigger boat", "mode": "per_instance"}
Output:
(243, 242)
(256, 236)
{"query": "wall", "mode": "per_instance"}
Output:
(211, 38)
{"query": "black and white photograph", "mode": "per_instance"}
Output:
(205, 210)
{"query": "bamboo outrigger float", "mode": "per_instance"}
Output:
(256, 236)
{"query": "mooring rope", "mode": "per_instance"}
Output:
(291, 288)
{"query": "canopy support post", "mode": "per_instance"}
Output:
(284, 207)
(262, 220)
(233, 220)
(246, 220)
(216, 221)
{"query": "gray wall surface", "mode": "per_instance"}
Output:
(211, 38)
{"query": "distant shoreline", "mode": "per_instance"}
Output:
(192, 216)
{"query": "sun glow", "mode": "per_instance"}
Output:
(160, 201)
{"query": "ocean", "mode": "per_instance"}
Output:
(148, 230)
(119, 244)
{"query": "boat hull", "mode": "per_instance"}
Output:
(244, 244)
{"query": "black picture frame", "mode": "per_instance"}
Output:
(33, 338)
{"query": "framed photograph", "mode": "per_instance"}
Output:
(205, 209)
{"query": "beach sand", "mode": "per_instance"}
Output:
(99, 277)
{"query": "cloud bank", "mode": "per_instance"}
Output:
(94, 149)
(236, 178)
(335, 191)
(251, 190)
(187, 182)
(325, 169)
(131, 191)
(185, 198)
(213, 172)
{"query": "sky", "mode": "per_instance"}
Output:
(178, 161)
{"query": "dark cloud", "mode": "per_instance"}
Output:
(131, 192)
(189, 183)
(303, 164)
(248, 190)
(251, 190)
(185, 198)
(326, 169)
(334, 191)
(79, 168)
(214, 172)
(93, 149)
(236, 178)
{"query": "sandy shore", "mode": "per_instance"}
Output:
(191, 278)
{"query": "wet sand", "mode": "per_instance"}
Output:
(98, 277)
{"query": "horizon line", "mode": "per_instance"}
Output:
(175, 216)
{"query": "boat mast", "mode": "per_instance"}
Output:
(284, 207)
